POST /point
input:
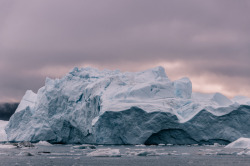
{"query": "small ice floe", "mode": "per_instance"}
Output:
(43, 152)
(226, 153)
(44, 143)
(85, 146)
(7, 146)
(216, 145)
(169, 144)
(24, 153)
(206, 152)
(143, 152)
(173, 153)
(147, 153)
(185, 154)
(240, 143)
(161, 144)
(247, 153)
(105, 153)
(24, 144)
(244, 152)
(54, 157)
(1, 154)
(65, 154)
(140, 145)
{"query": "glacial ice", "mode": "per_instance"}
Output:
(89, 106)
(28, 99)
(240, 143)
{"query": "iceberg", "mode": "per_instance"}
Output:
(89, 106)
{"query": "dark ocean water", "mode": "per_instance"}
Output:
(41, 155)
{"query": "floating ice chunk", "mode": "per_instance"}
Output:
(24, 153)
(161, 144)
(84, 147)
(246, 153)
(147, 152)
(44, 143)
(185, 154)
(140, 145)
(2, 146)
(105, 153)
(226, 153)
(240, 143)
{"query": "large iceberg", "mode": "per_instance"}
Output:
(112, 107)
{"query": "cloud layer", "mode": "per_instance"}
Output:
(207, 41)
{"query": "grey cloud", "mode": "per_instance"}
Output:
(207, 36)
(6, 110)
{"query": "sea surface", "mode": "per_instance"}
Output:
(140, 155)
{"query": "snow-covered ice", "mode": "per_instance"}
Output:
(111, 107)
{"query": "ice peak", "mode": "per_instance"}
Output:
(158, 72)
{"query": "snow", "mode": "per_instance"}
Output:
(89, 106)
(3, 136)
(240, 143)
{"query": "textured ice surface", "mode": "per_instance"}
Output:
(111, 107)
(28, 99)
(240, 143)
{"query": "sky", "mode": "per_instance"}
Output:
(205, 40)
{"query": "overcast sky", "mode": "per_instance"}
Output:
(206, 40)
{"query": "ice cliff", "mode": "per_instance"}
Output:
(111, 107)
